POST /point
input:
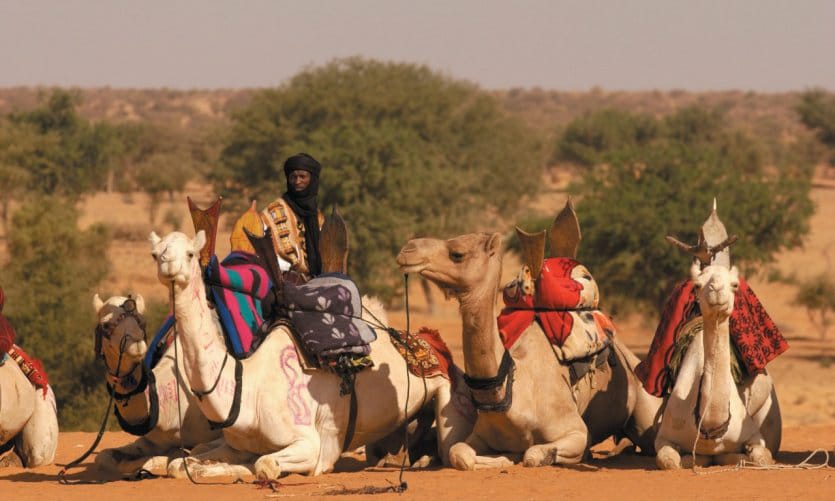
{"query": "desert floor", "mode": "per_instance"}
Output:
(804, 377)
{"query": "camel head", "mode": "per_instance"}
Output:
(120, 327)
(459, 265)
(177, 256)
(715, 287)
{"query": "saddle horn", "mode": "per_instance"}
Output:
(533, 250)
(713, 245)
(565, 233)
(263, 245)
(333, 244)
(206, 220)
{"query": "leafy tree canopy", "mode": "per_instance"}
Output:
(49, 283)
(817, 112)
(638, 192)
(406, 151)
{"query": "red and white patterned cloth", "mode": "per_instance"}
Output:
(754, 333)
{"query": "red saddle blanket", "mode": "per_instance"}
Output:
(32, 368)
(755, 335)
(557, 304)
(426, 353)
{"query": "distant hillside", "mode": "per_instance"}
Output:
(765, 115)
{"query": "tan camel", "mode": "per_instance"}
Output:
(548, 421)
(27, 417)
(146, 403)
(279, 418)
(725, 422)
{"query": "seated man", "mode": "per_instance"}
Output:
(295, 220)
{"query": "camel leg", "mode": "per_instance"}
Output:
(301, 456)
(453, 427)
(466, 456)
(220, 461)
(568, 449)
(141, 454)
(38, 439)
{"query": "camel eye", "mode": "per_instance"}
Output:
(154, 255)
(190, 255)
(734, 286)
(456, 256)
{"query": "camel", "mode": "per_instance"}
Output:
(532, 410)
(28, 417)
(277, 416)
(146, 403)
(706, 412)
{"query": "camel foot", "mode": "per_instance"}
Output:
(540, 456)
(462, 457)
(760, 455)
(177, 467)
(668, 458)
(267, 468)
(11, 460)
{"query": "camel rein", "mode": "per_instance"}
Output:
(130, 310)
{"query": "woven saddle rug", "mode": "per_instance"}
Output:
(755, 338)
(238, 286)
(426, 354)
(574, 325)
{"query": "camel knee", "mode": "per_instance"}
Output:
(462, 457)
(540, 456)
(667, 458)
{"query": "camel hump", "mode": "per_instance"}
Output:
(333, 244)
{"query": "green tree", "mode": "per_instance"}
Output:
(406, 151)
(817, 295)
(817, 112)
(666, 187)
(587, 140)
(49, 281)
(65, 154)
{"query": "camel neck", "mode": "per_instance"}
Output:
(203, 348)
(716, 375)
(483, 348)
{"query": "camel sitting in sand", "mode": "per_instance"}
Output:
(722, 421)
(278, 417)
(528, 404)
(146, 402)
(28, 418)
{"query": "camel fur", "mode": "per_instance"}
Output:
(726, 422)
(548, 421)
(152, 451)
(290, 420)
(27, 417)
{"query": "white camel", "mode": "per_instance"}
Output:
(726, 422)
(27, 417)
(146, 403)
(279, 418)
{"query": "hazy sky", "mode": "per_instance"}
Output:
(762, 45)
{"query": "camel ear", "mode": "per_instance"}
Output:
(199, 240)
(98, 304)
(154, 239)
(140, 304)
(695, 269)
(494, 244)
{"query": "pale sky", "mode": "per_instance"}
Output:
(760, 45)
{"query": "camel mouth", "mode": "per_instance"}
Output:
(411, 267)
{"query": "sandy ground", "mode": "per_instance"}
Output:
(803, 376)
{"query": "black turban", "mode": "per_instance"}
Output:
(305, 206)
